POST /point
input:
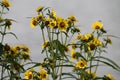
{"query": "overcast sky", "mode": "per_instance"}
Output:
(86, 11)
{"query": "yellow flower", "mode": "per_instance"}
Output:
(13, 51)
(43, 74)
(39, 8)
(73, 45)
(25, 49)
(109, 40)
(77, 28)
(97, 25)
(93, 74)
(78, 37)
(39, 17)
(33, 22)
(72, 18)
(58, 19)
(81, 64)
(110, 77)
(18, 47)
(44, 44)
(8, 23)
(91, 46)
(29, 74)
(47, 21)
(66, 49)
(62, 25)
(86, 37)
(73, 55)
(6, 3)
(52, 24)
(53, 13)
(97, 42)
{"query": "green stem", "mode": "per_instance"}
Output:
(1, 12)
(61, 37)
(44, 41)
(97, 64)
(66, 40)
(90, 63)
(70, 38)
(2, 73)
(53, 74)
(61, 69)
(3, 34)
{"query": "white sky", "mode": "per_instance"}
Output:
(86, 11)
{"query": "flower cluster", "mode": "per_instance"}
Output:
(66, 46)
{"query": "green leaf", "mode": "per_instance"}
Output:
(109, 60)
(64, 65)
(70, 74)
(12, 34)
(1, 49)
(80, 55)
(107, 63)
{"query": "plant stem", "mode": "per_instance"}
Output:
(1, 12)
(44, 41)
(3, 34)
(61, 69)
(97, 64)
(61, 37)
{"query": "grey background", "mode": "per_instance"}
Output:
(86, 11)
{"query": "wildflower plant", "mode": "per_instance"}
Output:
(69, 54)
(66, 47)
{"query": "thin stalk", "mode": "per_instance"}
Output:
(2, 73)
(2, 11)
(90, 63)
(53, 74)
(70, 38)
(61, 69)
(97, 64)
(65, 39)
(44, 41)
(3, 34)
(61, 37)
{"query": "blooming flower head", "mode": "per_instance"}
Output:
(97, 42)
(72, 18)
(6, 3)
(47, 21)
(97, 25)
(25, 49)
(110, 77)
(66, 49)
(8, 23)
(93, 74)
(109, 40)
(33, 22)
(91, 46)
(44, 44)
(29, 75)
(77, 29)
(86, 37)
(73, 54)
(39, 17)
(81, 64)
(52, 24)
(43, 74)
(53, 13)
(63, 25)
(58, 19)
(79, 36)
(73, 45)
(39, 8)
